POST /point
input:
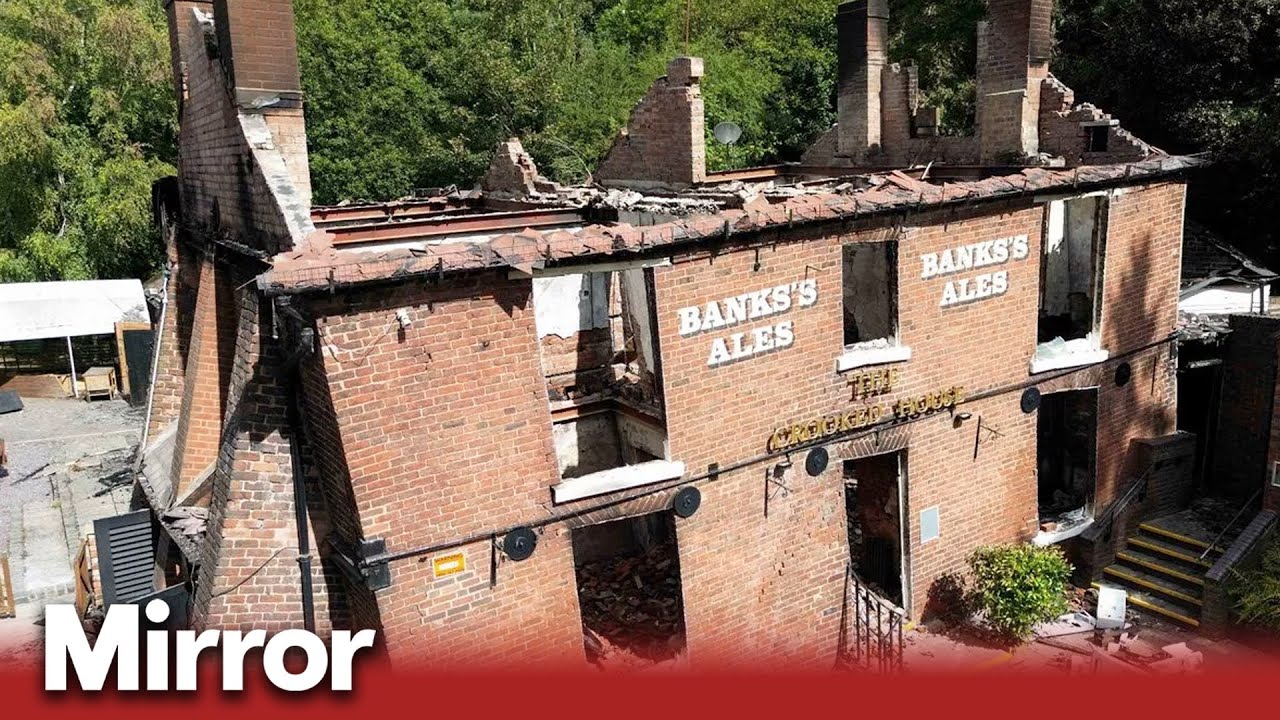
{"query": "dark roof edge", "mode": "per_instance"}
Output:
(296, 273)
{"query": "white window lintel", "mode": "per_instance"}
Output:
(1043, 361)
(856, 356)
(615, 479)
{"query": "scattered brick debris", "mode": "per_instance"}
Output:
(631, 609)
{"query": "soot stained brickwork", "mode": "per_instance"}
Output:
(432, 408)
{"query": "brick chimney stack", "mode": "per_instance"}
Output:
(259, 50)
(1014, 45)
(862, 28)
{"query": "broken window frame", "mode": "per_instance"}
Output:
(628, 415)
(903, 540)
(1043, 537)
(882, 350)
(1085, 350)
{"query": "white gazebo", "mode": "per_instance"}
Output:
(69, 309)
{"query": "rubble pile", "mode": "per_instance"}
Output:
(631, 608)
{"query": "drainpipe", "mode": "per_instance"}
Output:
(300, 502)
(293, 384)
(158, 336)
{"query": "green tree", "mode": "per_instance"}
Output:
(87, 123)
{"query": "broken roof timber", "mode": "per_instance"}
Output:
(454, 224)
(302, 272)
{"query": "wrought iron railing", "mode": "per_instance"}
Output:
(1234, 519)
(1136, 492)
(871, 628)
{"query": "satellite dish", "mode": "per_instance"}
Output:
(727, 133)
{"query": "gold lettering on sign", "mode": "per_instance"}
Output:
(872, 383)
(907, 408)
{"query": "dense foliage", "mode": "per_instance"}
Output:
(1257, 592)
(416, 93)
(86, 124)
(404, 94)
(1017, 587)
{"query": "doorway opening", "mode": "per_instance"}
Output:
(874, 495)
(629, 591)
(1066, 459)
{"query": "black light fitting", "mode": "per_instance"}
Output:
(1030, 400)
(687, 502)
(519, 544)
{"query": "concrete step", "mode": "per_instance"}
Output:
(1158, 565)
(1153, 604)
(1169, 553)
(1191, 545)
(1150, 582)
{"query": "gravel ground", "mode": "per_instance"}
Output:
(48, 434)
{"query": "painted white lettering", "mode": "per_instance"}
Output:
(735, 309)
(719, 353)
(690, 320)
(946, 263)
(982, 254)
(1020, 247)
(929, 261)
(711, 318)
(949, 296)
(982, 285)
(808, 292)
(784, 334)
(762, 339)
(1000, 282)
(760, 305)
(1000, 251)
(782, 298)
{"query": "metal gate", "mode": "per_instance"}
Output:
(870, 628)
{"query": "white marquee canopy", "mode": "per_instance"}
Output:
(33, 311)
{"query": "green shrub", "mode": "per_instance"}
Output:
(1257, 592)
(1019, 586)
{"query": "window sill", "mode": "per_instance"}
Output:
(856, 357)
(1058, 355)
(615, 479)
(1043, 538)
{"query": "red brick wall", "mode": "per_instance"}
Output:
(445, 431)
(664, 143)
(206, 377)
(249, 575)
(1061, 132)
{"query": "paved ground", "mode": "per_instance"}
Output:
(954, 650)
(68, 465)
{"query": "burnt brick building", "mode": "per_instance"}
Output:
(731, 407)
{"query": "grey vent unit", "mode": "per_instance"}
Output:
(126, 557)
